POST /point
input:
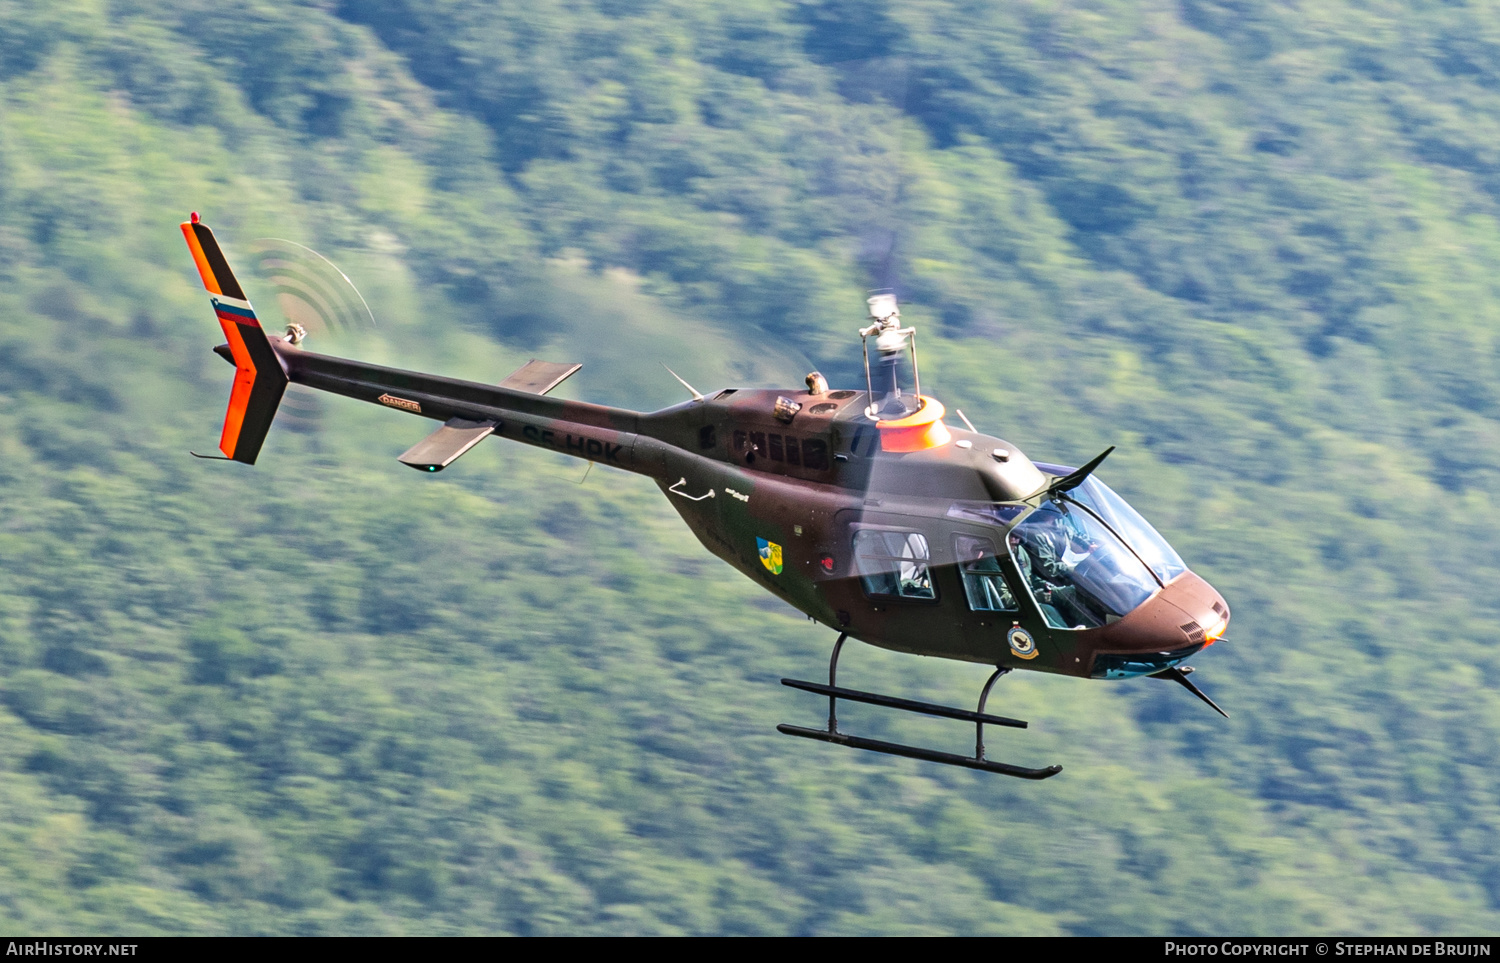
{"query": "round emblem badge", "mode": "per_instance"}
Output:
(1021, 643)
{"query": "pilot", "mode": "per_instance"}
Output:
(1042, 557)
(1051, 539)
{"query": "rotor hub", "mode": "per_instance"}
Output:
(891, 341)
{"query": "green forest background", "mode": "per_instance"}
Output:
(1251, 242)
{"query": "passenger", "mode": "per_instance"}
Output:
(983, 580)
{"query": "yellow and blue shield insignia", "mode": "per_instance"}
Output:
(770, 555)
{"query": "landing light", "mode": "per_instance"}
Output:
(1215, 632)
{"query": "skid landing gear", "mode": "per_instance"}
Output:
(978, 717)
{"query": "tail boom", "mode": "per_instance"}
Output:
(516, 408)
(592, 432)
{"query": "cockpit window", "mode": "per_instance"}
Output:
(984, 583)
(894, 563)
(991, 513)
(1080, 575)
(1117, 513)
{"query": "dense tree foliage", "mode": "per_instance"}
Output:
(1251, 242)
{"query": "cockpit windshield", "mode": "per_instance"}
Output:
(1080, 574)
(1118, 515)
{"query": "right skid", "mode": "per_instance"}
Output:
(979, 717)
(916, 752)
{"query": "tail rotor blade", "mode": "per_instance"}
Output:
(310, 289)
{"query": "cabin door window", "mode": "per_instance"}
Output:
(984, 583)
(894, 564)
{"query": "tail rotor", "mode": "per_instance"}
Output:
(311, 292)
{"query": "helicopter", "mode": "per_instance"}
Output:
(862, 509)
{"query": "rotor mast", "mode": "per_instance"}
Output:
(891, 342)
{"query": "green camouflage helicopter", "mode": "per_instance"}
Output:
(861, 508)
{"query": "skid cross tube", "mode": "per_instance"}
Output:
(833, 681)
(979, 717)
(984, 696)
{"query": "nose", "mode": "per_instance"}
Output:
(1203, 604)
(1188, 612)
(1167, 628)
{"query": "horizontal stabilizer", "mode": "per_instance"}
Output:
(539, 377)
(442, 448)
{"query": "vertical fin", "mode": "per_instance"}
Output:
(259, 380)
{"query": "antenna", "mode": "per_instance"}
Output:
(696, 395)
